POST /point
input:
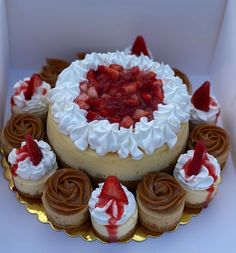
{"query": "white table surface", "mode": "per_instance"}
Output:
(213, 230)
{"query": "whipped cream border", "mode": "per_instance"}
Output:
(38, 102)
(199, 182)
(99, 213)
(101, 135)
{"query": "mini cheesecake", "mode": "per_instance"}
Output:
(113, 210)
(199, 174)
(31, 166)
(31, 96)
(205, 109)
(216, 140)
(65, 198)
(161, 202)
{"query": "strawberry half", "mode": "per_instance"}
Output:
(196, 163)
(33, 83)
(33, 149)
(112, 190)
(139, 47)
(201, 97)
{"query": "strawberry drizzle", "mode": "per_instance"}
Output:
(120, 95)
(22, 154)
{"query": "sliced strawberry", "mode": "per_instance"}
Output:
(196, 163)
(201, 97)
(92, 116)
(96, 104)
(139, 47)
(92, 93)
(116, 67)
(135, 70)
(147, 97)
(33, 149)
(139, 113)
(101, 69)
(91, 75)
(127, 122)
(130, 88)
(158, 92)
(82, 104)
(83, 86)
(112, 190)
(148, 75)
(34, 82)
(114, 119)
(132, 101)
(114, 74)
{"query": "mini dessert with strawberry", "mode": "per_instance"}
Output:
(160, 201)
(199, 174)
(125, 111)
(205, 109)
(216, 140)
(52, 69)
(31, 96)
(15, 130)
(113, 210)
(65, 198)
(31, 165)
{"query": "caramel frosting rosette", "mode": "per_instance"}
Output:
(52, 69)
(160, 192)
(215, 138)
(161, 201)
(18, 127)
(66, 197)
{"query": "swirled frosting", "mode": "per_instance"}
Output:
(160, 192)
(68, 191)
(25, 168)
(215, 138)
(202, 117)
(104, 137)
(20, 125)
(100, 215)
(201, 181)
(39, 101)
(50, 72)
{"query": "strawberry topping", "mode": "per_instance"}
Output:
(33, 149)
(120, 95)
(139, 47)
(112, 194)
(201, 97)
(34, 82)
(194, 165)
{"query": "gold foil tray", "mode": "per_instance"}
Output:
(85, 231)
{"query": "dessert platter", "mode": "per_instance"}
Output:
(113, 146)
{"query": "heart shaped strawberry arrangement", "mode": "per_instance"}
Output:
(120, 95)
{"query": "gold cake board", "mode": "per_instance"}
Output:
(86, 231)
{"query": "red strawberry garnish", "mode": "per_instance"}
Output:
(127, 122)
(33, 149)
(120, 95)
(33, 83)
(194, 166)
(139, 113)
(201, 97)
(139, 47)
(112, 190)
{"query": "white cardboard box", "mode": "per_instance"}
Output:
(197, 36)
